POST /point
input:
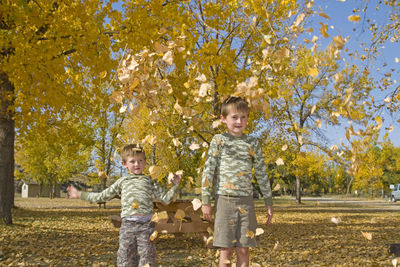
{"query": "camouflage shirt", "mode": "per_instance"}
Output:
(136, 191)
(231, 160)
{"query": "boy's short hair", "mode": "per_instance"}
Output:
(234, 102)
(131, 150)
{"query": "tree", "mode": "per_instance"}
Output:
(46, 47)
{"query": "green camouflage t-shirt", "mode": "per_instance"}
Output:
(136, 191)
(231, 160)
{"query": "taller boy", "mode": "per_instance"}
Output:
(231, 158)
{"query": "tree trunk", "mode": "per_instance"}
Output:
(6, 149)
(298, 192)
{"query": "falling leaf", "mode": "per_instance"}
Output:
(322, 14)
(196, 204)
(284, 147)
(197, 190)
(135, 204)
(339, 41)
(241, 210)
(336, 220)
(123, 109)
(204, 88)
(367, 235)
(259, 231)
(354, 18)
(194, 146)
(176, 142)
(201, 78)
(391, 128)
(313, 72)
(324, 30)
(241, 173)
(276, 246)
(161, 216)
(318, 123)
(209, 240)
(154, 235)
(155, 171)
(313, 109)
(299, 19)
(396, 59)
(279, 162)
(250, 234)
(168, 58)
(216, 123)
(179, 214)
(229, 185)
(234, 241)
(251, 152)
(277, 187)
(103, 74)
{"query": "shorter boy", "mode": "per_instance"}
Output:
(231, 158)
(136, 191)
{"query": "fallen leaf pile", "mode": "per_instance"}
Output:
(65, 232)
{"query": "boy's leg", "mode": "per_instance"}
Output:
(146, 248)
(243, 255)
(225, 257)
(127, 254)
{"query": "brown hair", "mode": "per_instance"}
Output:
(131, 150)
(234, 102)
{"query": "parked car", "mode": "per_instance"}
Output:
(395, 193)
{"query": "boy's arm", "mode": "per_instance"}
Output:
(104, 195)
(261, 175)
(166, 196)
(209, 171)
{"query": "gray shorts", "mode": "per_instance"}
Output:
(234, 218)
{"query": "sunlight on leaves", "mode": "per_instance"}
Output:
(279, 162)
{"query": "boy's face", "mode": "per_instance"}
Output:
(236, 122)
(135, 164)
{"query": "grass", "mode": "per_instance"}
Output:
(65, 232)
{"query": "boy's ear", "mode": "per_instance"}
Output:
(123, 164)
(223, 119)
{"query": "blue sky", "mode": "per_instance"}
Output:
(338, 11)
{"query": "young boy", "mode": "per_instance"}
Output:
(136, 191)
(231, 158)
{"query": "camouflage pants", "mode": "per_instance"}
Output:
(135, 246)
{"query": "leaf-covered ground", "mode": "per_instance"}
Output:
(63, 232)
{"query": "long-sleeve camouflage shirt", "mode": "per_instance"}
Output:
(231, 159)
(137, 192)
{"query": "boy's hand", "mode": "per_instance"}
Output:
(177, 179)
(73, 192)
(270, 212)
(206, 209)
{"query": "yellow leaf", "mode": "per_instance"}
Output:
(168, 58)
(135, 204)
(313, 72)
(251, 152)
(194, 146)
(276, 246)
(103, 74)
(354, 18)
(277, 187)
(322, 14)
(259, 231)
(155, 171)
(279, 162)
(241, 210)
(179, 214)
(161, 216)
(154, 235)
(196, 203)
(336, 220)
(250, 234)
(318, 123)
(206, 183)
(230, 186)
(339, 42)
(367, 235)
(209, 240)
(324, 30)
